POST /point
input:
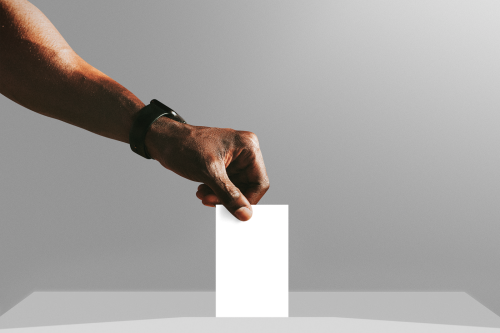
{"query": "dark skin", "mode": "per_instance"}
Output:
(41, 72)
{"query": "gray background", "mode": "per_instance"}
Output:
(378, 122)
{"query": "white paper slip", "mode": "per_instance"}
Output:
(251, 270)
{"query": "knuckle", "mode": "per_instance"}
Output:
(264, 186)
(249, 139)
(233, 194)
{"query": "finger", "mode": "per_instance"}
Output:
(252, 176)
(230, 196)
(206, 194)
(257, 174)
(205, 189)
(208, 205)
(210, 200)
(199, 195)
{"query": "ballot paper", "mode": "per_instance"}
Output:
(252, 263)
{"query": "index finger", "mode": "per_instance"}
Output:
(251, 179)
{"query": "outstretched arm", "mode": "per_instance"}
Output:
(40, 71)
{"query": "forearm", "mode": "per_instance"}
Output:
(40, 71)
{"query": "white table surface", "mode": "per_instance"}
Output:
(252, 325)
(60, 308)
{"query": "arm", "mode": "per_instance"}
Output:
(41, 72)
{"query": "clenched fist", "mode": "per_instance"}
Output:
(229, 163)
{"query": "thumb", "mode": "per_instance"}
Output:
(231, 197)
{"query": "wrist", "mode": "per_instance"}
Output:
(161, 131)
(143, 123)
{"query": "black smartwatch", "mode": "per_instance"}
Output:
(145, 117)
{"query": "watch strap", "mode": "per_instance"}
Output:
(144, 118)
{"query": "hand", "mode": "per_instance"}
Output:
(228, 162)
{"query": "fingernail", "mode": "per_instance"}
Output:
(243, 214)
